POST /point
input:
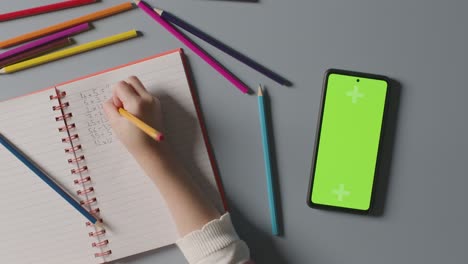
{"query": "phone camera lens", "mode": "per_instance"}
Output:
(357, 80)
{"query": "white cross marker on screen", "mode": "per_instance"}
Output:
(355, 94)
(340, 192)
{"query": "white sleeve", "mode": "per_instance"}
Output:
(217, 242)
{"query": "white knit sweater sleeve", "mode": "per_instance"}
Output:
(217, 242)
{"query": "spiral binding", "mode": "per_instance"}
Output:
(70, 138)
(61, 106)
(73, 149)
(84, 182)
(63, 117)
(97, 233)
(85, 191)
(76, 160)
(100, 244)
(103, 254)
(67, 128)
(79, 170)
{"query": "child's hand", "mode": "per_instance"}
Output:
(190, 209)
(133, 97)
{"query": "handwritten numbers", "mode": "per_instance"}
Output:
(97, 125)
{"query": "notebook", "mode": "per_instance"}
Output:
(64, 131)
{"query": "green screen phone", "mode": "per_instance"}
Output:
(348, 140)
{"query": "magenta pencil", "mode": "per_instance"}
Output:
(45, 40)
(202, 54)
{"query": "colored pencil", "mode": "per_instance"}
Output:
(41, 174)
(69, 52)
(221, 46)
(59, 35)
(35, 52)
(266, 156)
(195, 48)
(44, 9)
(153, 133)
(67, 24)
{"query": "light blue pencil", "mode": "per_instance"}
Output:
(266, 155)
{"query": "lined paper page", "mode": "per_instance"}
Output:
(37, 225)
(130, 204)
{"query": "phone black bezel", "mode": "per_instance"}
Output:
(317, 139)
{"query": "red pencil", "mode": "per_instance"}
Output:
(44, 9)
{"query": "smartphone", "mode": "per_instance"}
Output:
(348, 140)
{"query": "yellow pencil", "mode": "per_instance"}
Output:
(153, 133)
(69, 52)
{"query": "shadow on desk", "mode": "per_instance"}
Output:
(261, 245)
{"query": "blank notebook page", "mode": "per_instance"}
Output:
(37, 225)
(133, 210)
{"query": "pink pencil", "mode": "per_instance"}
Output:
(212, 62)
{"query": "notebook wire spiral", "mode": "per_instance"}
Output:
(83, 181)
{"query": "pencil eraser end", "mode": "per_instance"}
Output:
(159, 137)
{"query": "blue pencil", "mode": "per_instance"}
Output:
(18, 154)
(223, 47)
(266, 155)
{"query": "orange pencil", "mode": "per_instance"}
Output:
(67, 24)
(153, 133)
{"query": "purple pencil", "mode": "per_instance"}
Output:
(45, 40)
(201, 53)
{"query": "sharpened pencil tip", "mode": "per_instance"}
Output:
(136, 2)
(2, 71)
(99, 224)
(260, 91)
(159, 11)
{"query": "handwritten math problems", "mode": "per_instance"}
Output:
(97, 124)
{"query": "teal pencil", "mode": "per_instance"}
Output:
(266, 155)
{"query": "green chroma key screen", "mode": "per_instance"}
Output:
(349, 136)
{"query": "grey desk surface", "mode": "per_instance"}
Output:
(421, 44)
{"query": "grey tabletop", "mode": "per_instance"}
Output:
(421, 44)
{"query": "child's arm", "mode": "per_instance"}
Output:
(208, 237)
(189, 207)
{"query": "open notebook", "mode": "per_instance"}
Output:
(75, 145)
